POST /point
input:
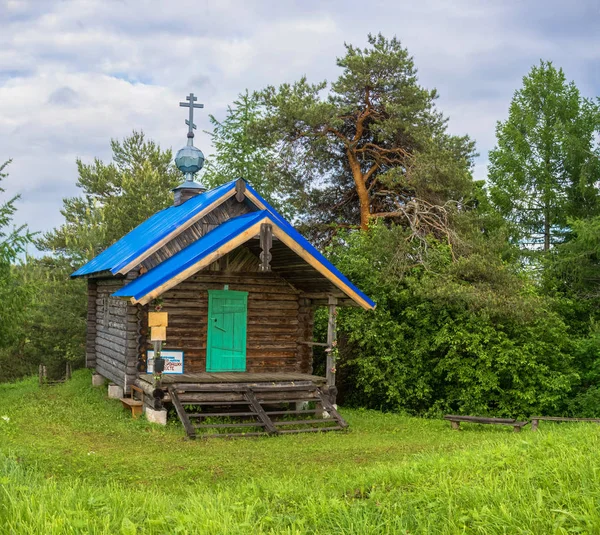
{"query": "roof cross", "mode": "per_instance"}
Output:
(190, 104)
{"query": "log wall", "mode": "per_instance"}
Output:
(116, 332)
(277, 320)
(90, 340)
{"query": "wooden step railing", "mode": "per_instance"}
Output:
(253, 410)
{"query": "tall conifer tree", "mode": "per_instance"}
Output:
(546, 167)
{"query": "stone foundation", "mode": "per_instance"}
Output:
(97, 380)
(156, 417)
(115, 392)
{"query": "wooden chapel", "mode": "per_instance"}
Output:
(237, 286)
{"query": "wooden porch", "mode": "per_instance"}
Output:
(247, 404)
(233, 377)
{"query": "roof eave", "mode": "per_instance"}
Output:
(227, 246)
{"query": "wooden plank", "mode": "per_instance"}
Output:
(285, 413)
(214, 397)
(217, 402)
(331, 409)
(232, 425)
(309, 430)
(219, 414)
(277, 378)
(565, 419)
(216, 387)
(478, 419)
(233, 435)
(331, 341)
(189, 429)
(249, 395)
(301, 422)
(285, 388)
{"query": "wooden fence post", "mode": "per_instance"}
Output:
(331, 341)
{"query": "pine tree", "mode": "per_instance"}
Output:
(116, 198)
(372, 144)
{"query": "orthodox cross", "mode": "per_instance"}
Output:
(190, 104)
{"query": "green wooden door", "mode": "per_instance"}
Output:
(226, 342)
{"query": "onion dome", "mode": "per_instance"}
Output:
(189, 160)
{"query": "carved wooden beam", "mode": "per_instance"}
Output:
(266, 242)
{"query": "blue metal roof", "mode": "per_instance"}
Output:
(189, 256)
(163, 223)
(150, 232)
(305, 244)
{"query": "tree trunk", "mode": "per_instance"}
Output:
(361, 190)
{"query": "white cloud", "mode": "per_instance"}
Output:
(74, 74)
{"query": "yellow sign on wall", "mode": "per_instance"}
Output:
(158, 319)
(158, 334)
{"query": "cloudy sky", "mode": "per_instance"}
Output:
(74, 74)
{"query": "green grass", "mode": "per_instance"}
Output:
(72, 461)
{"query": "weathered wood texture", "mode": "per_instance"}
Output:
(229, 209)
(455, 420)
(277, 320)
(116, 327)
(90, 341)
(535, 420)
(255, 379)
(246, 406)
(331, 340)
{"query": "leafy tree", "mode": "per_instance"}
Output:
(545, 167)
(470, 335)
(239, 152)
(12, 243)
(372, 144)
(116, 198)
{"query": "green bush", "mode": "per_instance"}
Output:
(465, 334)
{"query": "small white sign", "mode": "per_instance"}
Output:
(173, 361)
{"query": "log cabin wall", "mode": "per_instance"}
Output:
(90, 340)
(277, 319)
(116, 327)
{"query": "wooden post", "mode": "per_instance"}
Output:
(68, 372)
(266, 242)
(240, 190)
(331, 341)
(156, 377)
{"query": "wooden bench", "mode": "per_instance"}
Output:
(535, 420)
(135, 405)
(456, 420)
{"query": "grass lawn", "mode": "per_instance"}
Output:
(72, 461)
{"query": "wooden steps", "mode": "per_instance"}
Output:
(252, 409)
